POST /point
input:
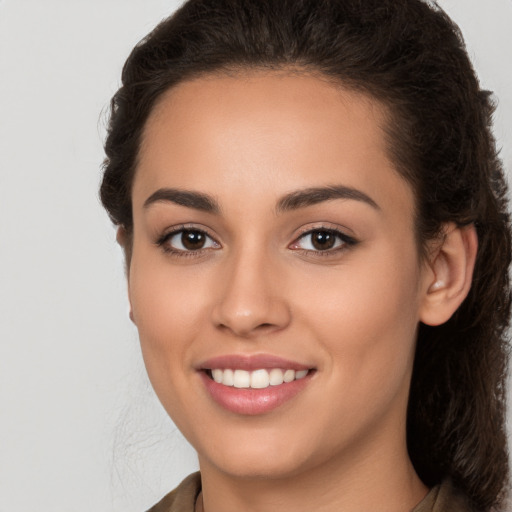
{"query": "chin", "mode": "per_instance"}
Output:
(259, 468)
(258, 458)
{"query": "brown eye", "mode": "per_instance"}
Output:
(193, 240)
(187, 241)
(323, 240)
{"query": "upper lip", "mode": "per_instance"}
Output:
(251, 362)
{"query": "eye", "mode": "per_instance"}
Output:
(187, 241)
(323, 240)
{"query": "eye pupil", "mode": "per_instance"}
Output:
(323, 240)
(193, 240)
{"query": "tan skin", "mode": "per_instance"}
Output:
(258, 282)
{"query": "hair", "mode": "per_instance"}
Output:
(408, 55)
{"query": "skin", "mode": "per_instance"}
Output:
(259, 286)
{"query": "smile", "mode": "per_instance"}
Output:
(257, 379)
(254, 384)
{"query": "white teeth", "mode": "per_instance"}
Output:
(241, 379)
(217, 375)
(300, 374)
(260, 379)
(289, 375)
(276, 377)
(257, 379)
(228, 378)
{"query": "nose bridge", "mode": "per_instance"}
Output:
(251, 300)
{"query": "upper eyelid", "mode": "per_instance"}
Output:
(324, 226)
(187, 227)
(344, 237)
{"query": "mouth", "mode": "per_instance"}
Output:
(254, 385)
(257, 379)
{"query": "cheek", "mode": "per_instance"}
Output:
(366, 319)
(166, 312)
(166, 308)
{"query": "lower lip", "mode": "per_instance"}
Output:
(250, 401)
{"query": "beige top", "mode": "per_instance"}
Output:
(442, 498)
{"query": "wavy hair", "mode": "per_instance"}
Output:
(410, 56)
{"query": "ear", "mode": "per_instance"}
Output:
(123, 240)
(449, 273)
(121, 236)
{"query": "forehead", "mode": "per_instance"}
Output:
(267, 101)
(260, 131)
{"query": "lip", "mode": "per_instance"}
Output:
(248, 401)
(251, 362)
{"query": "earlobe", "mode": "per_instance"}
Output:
(448, 280)
(121, 236)
(131, 314)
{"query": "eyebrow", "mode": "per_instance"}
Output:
(189, 199)
(292, 201)
(312, 196)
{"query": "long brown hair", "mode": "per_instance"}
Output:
(410, 56)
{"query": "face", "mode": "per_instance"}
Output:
(275, 280)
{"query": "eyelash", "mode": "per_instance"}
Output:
(163, 242)
(344, 242)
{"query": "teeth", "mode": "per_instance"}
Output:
(260, 379)
(276, 377)
(289, 375)
(217, 376)
(241, 379)
(228, 377)
(257, 379)
(300, 374)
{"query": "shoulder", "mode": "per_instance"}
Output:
(183, 498)
(445, 498)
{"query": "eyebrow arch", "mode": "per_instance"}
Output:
(315, 195)
(189, 199)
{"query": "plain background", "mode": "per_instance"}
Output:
(80, 429)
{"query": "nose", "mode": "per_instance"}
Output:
(252, 299)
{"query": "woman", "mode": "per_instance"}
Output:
(317, 243)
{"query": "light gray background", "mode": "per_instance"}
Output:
(79, 427)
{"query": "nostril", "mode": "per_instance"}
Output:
(265, 328)
(250, 315)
